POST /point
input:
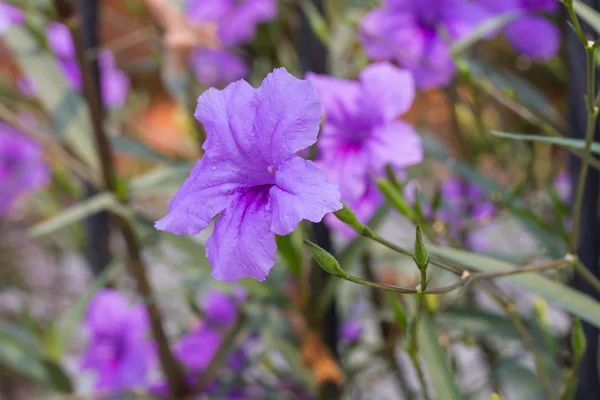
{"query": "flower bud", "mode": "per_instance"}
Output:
(347, 216)
(420, 253)
(495, 396)
(325, 259)
(578, 341)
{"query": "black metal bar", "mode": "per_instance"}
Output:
(588, 387)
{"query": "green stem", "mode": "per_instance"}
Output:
(587, 153)
(587, 275)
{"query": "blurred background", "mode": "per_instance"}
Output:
(97, 133)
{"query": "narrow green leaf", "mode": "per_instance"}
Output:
(159, 178)
(64, 105)
(94, 204)
(588, 14)
(316, 21)
(399, 313)
(488, 27)
(19, 353)
(441, 377)
(57, 377)
(138, 149)
(555, 293)
(559, 141)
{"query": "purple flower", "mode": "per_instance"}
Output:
(350, 331)
(220, 308)
(26, 86)
(418, 33)
(118, 350)
(213, 67)
(251, 175)
(531, 33)
(236, 20)
(9, 16)
(562, 184)
(361, 133)
(22, 167)
(114, 83)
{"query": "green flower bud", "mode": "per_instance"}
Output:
(495, 396)
(578, 341)
(347, 216)
(420, 253)
(325, 259)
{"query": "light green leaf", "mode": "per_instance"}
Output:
(559, 141)
(588, 14)
(94, 204)
(316, 21)
(555, 293)
(20, 354)
(159, 178)
(66, 107)
(441, 377)
(136, 148)
(488, 27)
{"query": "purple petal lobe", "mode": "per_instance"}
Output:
(288, 114)
(388, 90)
(60, 40)
(242, 244)
(395, 143)
(301, 192)
(536, 37)
(197, 348)
(216, 67)
(9, 16)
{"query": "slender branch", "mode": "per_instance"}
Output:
(526, 338)
(171, 368)
(587, 153)
(586, 274)
(413, 345)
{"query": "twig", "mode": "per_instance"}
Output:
(526, 338)
(171, 368)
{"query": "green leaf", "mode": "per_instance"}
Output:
(290, 253)
(64, 105)
(19, 353)
(159, 178)
(316, 21)
(94, 204)
(399, 313)
(560, 141)
(136, 148)
(588, 14)
(488, 27)
(441, 377)
(555, 293)
(57, 376)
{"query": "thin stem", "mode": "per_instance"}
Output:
(527, 340)
(171, 368)
(587, 275)
(587, 153)
(413, 345)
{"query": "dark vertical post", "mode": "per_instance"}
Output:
(98, 225)
(588, 387)
(313, 56)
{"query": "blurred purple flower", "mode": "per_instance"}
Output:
(9, 16)
(562, 184)
(118, 350)
(361, 133)
(531, 33)
(236, 20)
(26, 86)
(22, 167)
(251, 175)
(236, 23)
(114, 83)
(418, 33)
(350, 331)
(214, 67)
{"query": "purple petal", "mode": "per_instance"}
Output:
(22, 167)
(536, 37)
(60, 40)
(435, 66)
(196, 349)
(107, 313)
(339, 97)
(131, 371)
(208, 10)
(383, 33)
(115, 88)
(288, 114)
(351, 330)
(346, 165)
(9, 16)
(240, 25)
(301, 192)
(388, 89)
(395, 143)
(72, 73)
(217, 67)
(208, 190)
(27, 86)
(242, 244)
(219, 308)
